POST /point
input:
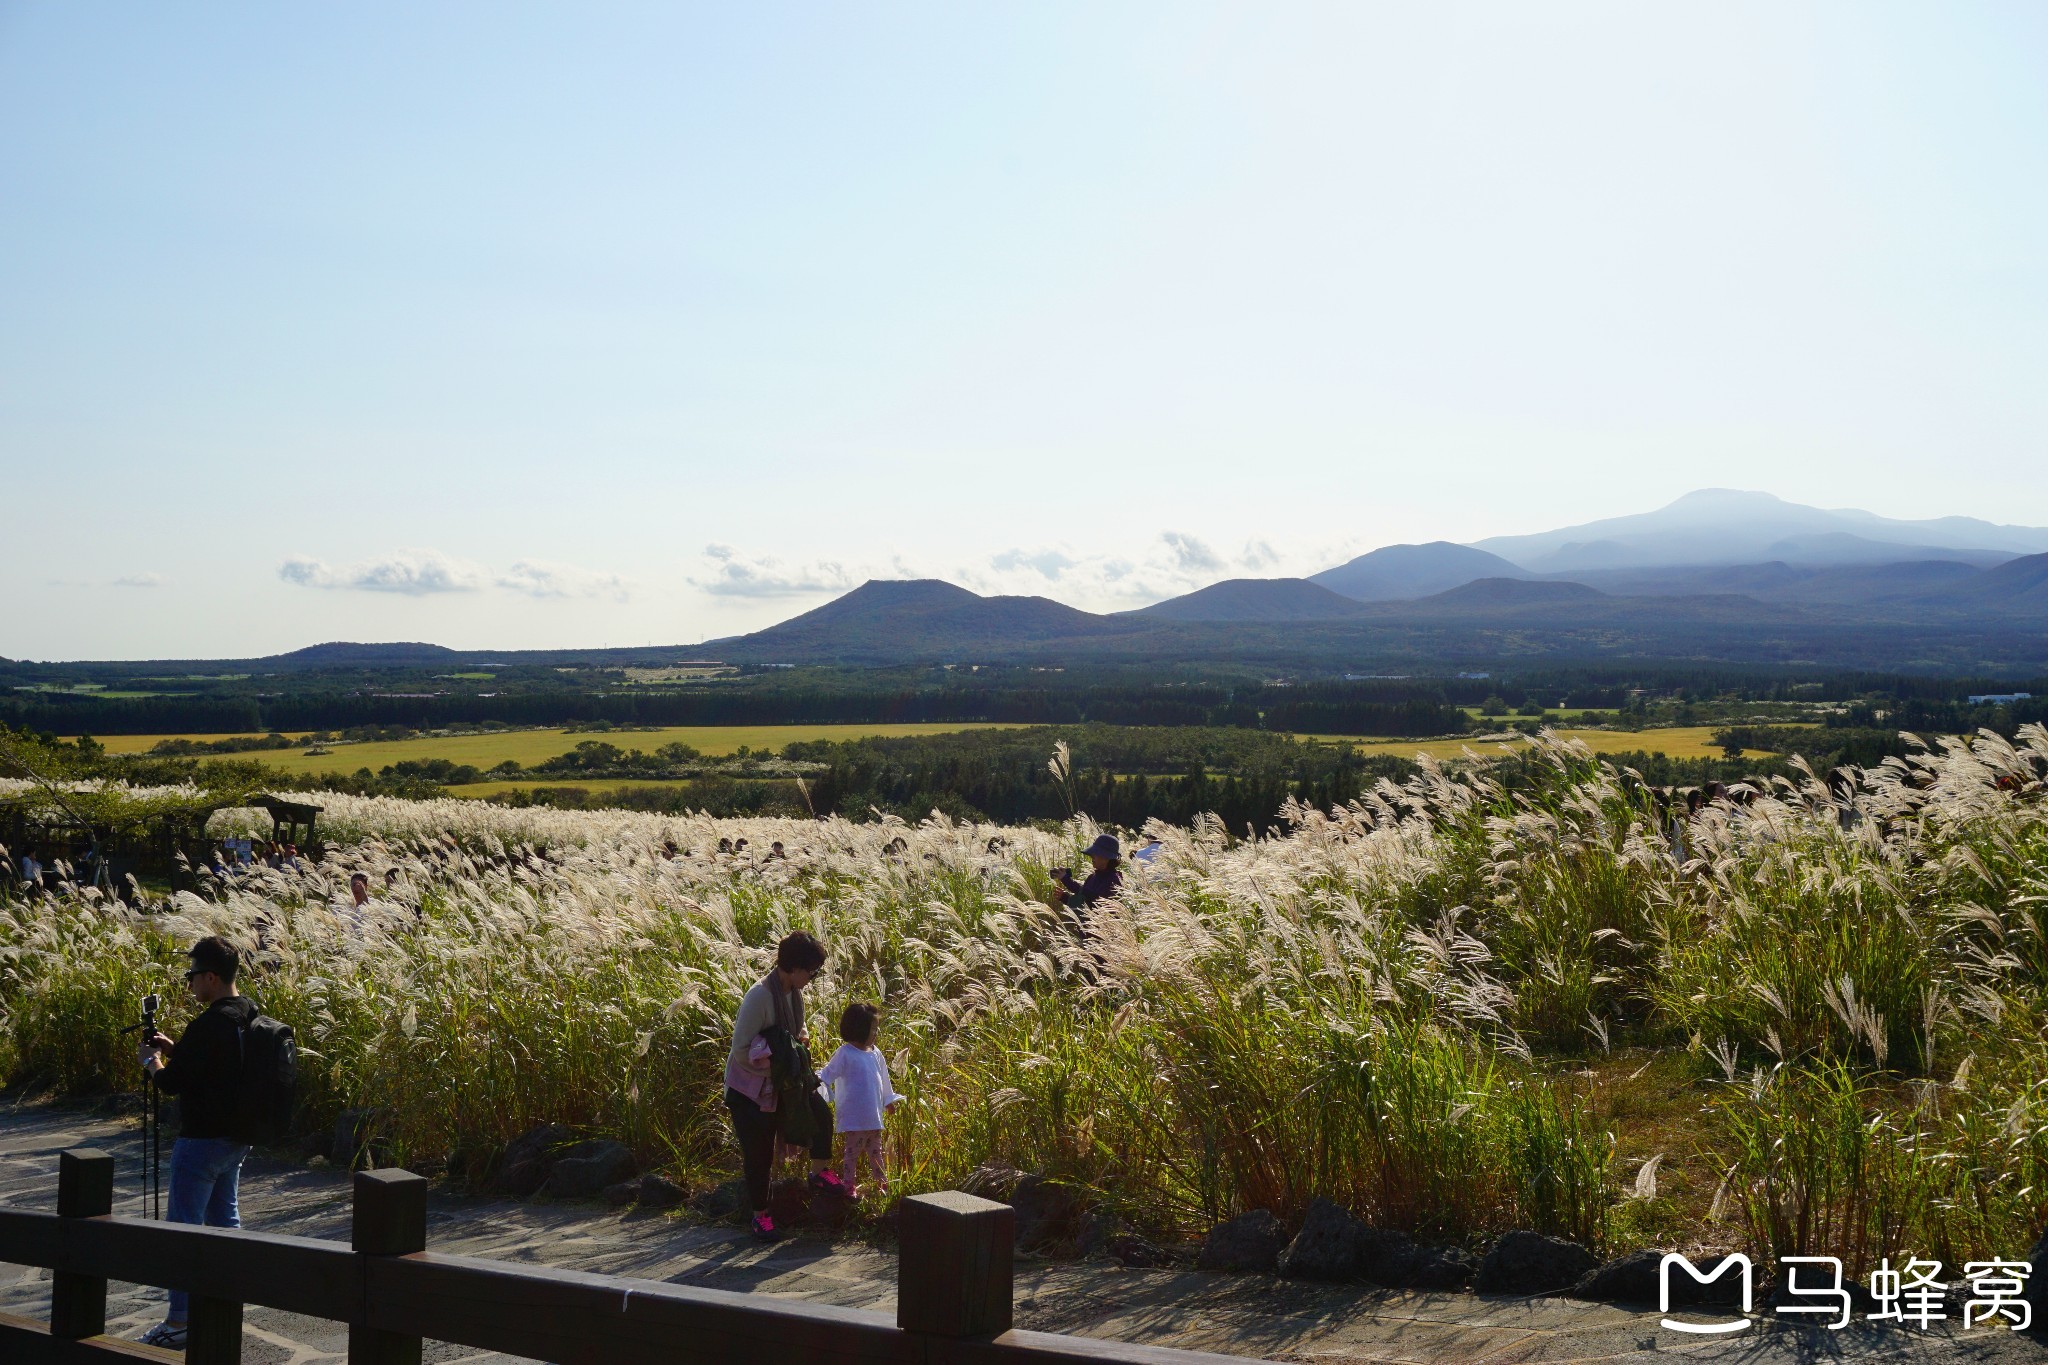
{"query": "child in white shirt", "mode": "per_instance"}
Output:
(858, 1075)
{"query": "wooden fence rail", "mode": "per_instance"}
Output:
(953, 1292)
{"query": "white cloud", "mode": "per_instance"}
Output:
(414, 573)
(1190, 554)
(735, 575)
(1173, 563)
(1050, 564)
(539, 578)
(1136, 575)
(148, 578)
(425, 573)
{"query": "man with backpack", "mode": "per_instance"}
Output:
(232, 1071)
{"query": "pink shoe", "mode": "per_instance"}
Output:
(765, 1229)
(830, 1182)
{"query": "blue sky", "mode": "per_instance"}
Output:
(531, 325)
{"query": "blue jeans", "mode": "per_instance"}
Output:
(206, 1175)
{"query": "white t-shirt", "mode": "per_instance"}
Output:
(859, 1078)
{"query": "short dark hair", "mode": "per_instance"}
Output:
(799, 952)
(215, 954)
(857, 1024)
(355, 877)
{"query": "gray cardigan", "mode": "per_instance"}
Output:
(757, 1013)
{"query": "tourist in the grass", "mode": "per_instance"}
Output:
(1102, 883)
(204, 1070)
(858, 1076)
(775, 1002)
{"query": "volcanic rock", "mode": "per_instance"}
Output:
(1326, 1248)
(582, 1171)
(1250, 1243)
(722, 1201)
(528, 1158)
(1524, 1262)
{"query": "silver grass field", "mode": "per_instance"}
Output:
(1809, 1023)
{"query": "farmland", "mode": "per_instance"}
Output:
(1683, 741)
(1451, 1007)
(527, 747)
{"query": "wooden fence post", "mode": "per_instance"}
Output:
(390, 1220)
(213, 1331)
(85, 1189)
(954, 1275)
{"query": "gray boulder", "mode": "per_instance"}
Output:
(659, 1192)
(1333, 1245)
(1098, 1227)
(1524, 1262)
(1250, 1243)
(722, 1201)
(582, 1171)
(1398, 1261)
(1630, 1279)
(650, 1191)
(1129, 1249)
(1633, 1279)
(1328, 1247)
(525, 1165)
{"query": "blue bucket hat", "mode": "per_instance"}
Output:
(1106, 846)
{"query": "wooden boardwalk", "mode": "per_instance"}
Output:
(1249, 1315)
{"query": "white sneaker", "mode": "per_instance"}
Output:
(169, 1335)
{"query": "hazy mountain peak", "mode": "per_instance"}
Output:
(1255, 599)
(1398, 572)
(1712, 526)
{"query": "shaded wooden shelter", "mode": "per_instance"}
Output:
(106, 835)
(291, 822)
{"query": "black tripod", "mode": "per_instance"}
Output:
(152, 1122)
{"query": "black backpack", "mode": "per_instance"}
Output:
(269, 1081)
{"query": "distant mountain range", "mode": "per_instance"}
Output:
(1718, 574)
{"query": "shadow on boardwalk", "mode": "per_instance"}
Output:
(1259, 1316)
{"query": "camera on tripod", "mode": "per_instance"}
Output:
(150, 1004)
(152, 1118)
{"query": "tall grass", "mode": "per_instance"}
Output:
(1399, 1004)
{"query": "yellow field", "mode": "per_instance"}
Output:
(592, 785)
(532, 746)
(1678, 741)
